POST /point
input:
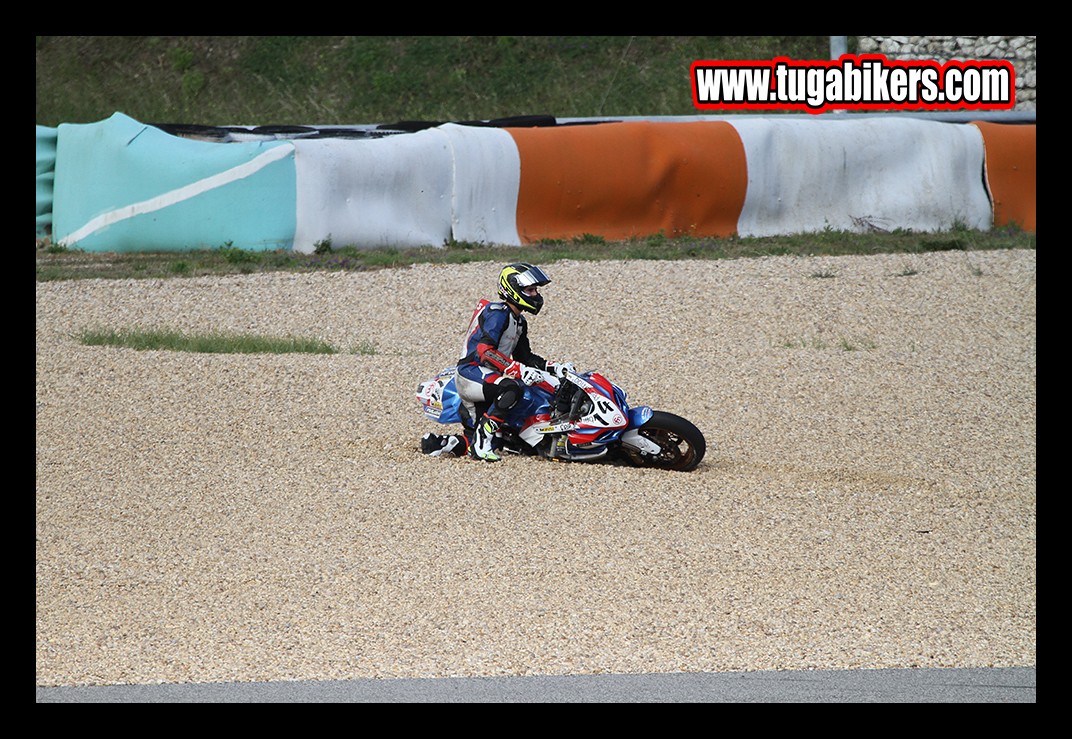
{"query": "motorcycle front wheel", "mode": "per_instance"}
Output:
(683, 445)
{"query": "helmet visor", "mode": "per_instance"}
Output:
(532, 276)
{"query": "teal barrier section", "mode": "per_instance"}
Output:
(123, 186)
(46, 166)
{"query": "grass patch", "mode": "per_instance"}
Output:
(57, 263)
(347, 80)
(852, 345)
(365, 347)
(817, 342)
(211, 343)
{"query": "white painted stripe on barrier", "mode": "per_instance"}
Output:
(857, 175)
(390, 192)
(180, 194)
(487, 175)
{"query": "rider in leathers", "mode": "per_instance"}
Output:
(496, 358)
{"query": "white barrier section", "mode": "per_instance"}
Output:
(487, 174)
(807, 176)
(391, 192)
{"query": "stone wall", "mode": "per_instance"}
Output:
(1020, 50)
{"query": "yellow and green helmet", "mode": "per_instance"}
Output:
(515, 278)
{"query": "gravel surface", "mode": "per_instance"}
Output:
(867, 499)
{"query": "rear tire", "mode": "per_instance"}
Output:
(683, 445)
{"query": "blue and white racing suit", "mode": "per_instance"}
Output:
(496, 342)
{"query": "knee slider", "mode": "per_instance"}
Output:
(509, 394)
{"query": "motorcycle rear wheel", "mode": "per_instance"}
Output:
(683, 445)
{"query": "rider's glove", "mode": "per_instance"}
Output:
(453, 444)
(531, 375)
(559, 369)
(528, 375)
(513, 370)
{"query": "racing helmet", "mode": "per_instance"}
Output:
(515, 278)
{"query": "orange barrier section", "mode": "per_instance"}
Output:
(1010, 172)
(620, 180)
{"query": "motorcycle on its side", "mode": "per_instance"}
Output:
(583, 417)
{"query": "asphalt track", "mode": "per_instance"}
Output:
(946, 685)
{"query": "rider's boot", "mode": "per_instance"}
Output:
(483, 446)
